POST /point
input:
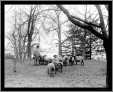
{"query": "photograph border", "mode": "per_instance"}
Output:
(109, 64)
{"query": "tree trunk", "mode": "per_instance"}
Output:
(59, 39)
(83, 49)
(108, 49)
(90, 47)
(60, 48)
(90, 51)
(14, 67)
(29, 47)
(72, 47)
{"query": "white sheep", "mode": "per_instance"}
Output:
(51, 69)
(80, 59)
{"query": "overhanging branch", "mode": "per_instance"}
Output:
(78, 23)
(102, 24)
(89, 23)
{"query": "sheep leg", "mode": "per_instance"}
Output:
(82, 62)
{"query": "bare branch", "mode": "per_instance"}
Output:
(89, 23)
(78, 23)
(102, 24)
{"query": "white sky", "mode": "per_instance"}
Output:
(47, 41)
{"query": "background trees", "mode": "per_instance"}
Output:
(85, 37)
(82, 35)
(56, 24)
(98, 29)
(17, 38)
(91, 26)
(51, 15)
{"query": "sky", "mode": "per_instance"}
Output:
(47, 42)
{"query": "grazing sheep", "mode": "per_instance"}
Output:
(71, 60)
(41, 60)
(58, 64)
(65, 60)
(60, 58)
(58, 67)
(79, 59)
(51, 69)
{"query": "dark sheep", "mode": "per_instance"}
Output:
(71, 61)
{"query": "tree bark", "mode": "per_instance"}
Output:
(14, 68)
(59, 47)
(59, 36)
(72, 47)
(107, 43)
(29, 46)
(31, 25)
(90, 42)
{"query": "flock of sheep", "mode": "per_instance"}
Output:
(56, 64)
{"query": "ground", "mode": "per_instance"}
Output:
(92, 74)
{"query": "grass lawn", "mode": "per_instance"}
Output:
(92, 74)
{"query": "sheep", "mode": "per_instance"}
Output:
(58, 64)
(51, 69)
(65, 60)
(71, 60)
(79, 59)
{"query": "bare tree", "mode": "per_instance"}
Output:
(32, 30)
(12, 37)
(56, 26)
(17, 38)
(59, 32)
(34, 15)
